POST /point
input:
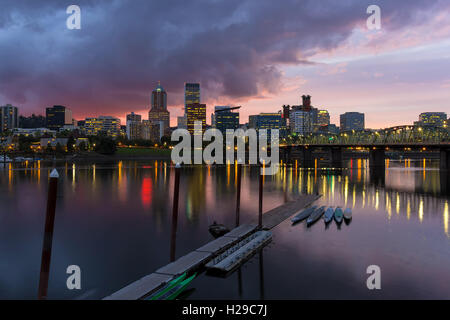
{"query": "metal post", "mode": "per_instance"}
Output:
(260, 197)
(238, 191)
(176, 193)
(48, 235)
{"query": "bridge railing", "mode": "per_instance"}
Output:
(395, 135)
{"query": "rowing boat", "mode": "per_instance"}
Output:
(329, 214)
(303, 215)
(348, 214)
(338, 215)
(315, 216)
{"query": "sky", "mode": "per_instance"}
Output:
(258, 54)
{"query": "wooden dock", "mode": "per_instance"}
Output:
(201, 256)
(277, 215)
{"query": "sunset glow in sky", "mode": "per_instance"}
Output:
(259, 54)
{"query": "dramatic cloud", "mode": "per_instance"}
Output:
(234, 48)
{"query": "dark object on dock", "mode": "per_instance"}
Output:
(218, 230)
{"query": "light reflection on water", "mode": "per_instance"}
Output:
(114, 221)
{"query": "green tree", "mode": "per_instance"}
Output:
(106, 145)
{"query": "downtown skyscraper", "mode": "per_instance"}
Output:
(158, 113)
(194, 110)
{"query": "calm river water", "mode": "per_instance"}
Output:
(114, 221)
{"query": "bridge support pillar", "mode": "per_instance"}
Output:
(307, 159)
(445, 182)
(336, 158)
(376, 158)
(445, 159)
(377, 167)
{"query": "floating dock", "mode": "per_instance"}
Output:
(241, 251)
(202, 256)
(188, 263)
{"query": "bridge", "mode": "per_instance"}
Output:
(399, 138)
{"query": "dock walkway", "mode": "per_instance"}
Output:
(201, 256)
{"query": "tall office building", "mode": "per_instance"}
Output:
(323, 118)
(133, 130)
(303, 118)
(151, 131)
(352, 121)
(432, 119)
(301, 122)
(224, 118)
(191, 94)
(57, 117)
(9, 118)
(133, 127)
(195, 112)
(158, 112)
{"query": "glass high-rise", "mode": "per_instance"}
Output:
(191, 94)
(195, 112)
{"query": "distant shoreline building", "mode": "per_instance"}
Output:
(57, 117)
(267, 121)
(224, 118)
(432, 119)
(352, 121)
(107, 125)
(9, 118)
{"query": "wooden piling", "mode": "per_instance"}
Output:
(260, 196)
(238, 192)
(176, 193)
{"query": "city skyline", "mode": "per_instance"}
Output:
(399, 69)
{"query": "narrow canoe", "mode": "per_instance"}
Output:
(338, 215)
(303, 215)
(329, 214)
(316, 215)
(348, 214)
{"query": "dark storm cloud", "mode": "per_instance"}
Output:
(234, 48)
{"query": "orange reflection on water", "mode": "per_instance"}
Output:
(359, 170)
